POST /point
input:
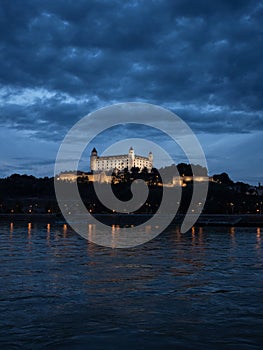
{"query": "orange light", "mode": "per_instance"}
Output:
(65, 228)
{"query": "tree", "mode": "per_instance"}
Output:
(223, 178)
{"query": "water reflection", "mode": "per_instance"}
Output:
(113, 236)
(48, 233)
(194, 233)
(148, 229)
(258, 244)
(116, 235)
(11, 229)
(91, 229)
(29, 229)
(200, 236)
(165, 290)
(197, 237)
(232, 235)
(65, 230)
(178, 234)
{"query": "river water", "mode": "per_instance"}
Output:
(198, 290)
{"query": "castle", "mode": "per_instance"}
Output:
(103, 167)
(119, 162)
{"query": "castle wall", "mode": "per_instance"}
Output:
(120, 162)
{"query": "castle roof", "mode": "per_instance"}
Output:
(121, 156)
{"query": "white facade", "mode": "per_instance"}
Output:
(119, 162)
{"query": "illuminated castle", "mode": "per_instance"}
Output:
(119, 162)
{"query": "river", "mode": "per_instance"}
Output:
(198, 290)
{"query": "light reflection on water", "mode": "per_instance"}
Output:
(198, 290)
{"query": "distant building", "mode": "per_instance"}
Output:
(256, 190)
(260, 189)
(101, 166)
(184, 180)
(107, 169)
(119, 162)
(72, 176)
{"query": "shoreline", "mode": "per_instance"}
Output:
(136, 219)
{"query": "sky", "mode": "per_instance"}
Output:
(60, 60)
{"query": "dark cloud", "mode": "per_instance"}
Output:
(62, 59)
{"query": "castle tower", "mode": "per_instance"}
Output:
(93, 158)
(150, 157)
(131, 158)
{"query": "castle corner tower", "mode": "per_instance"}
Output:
(93, 158)
(131, 158)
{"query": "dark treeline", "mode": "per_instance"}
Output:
(28, 194)
(26, 186)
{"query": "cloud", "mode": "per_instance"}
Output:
(62, 60)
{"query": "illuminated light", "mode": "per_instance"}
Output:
(12, 210)
(48, 232)
(11, 227)
(49, 211)
(29, 227)
(90, 231)
(193, 231)
(232, 230)
(258, 232)
(30, 211)
(148, 228)
(65, 229)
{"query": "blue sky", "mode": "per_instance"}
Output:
(61, 60)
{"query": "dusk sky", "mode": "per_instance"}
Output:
(61, 60)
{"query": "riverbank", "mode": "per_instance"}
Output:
(137, 219)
